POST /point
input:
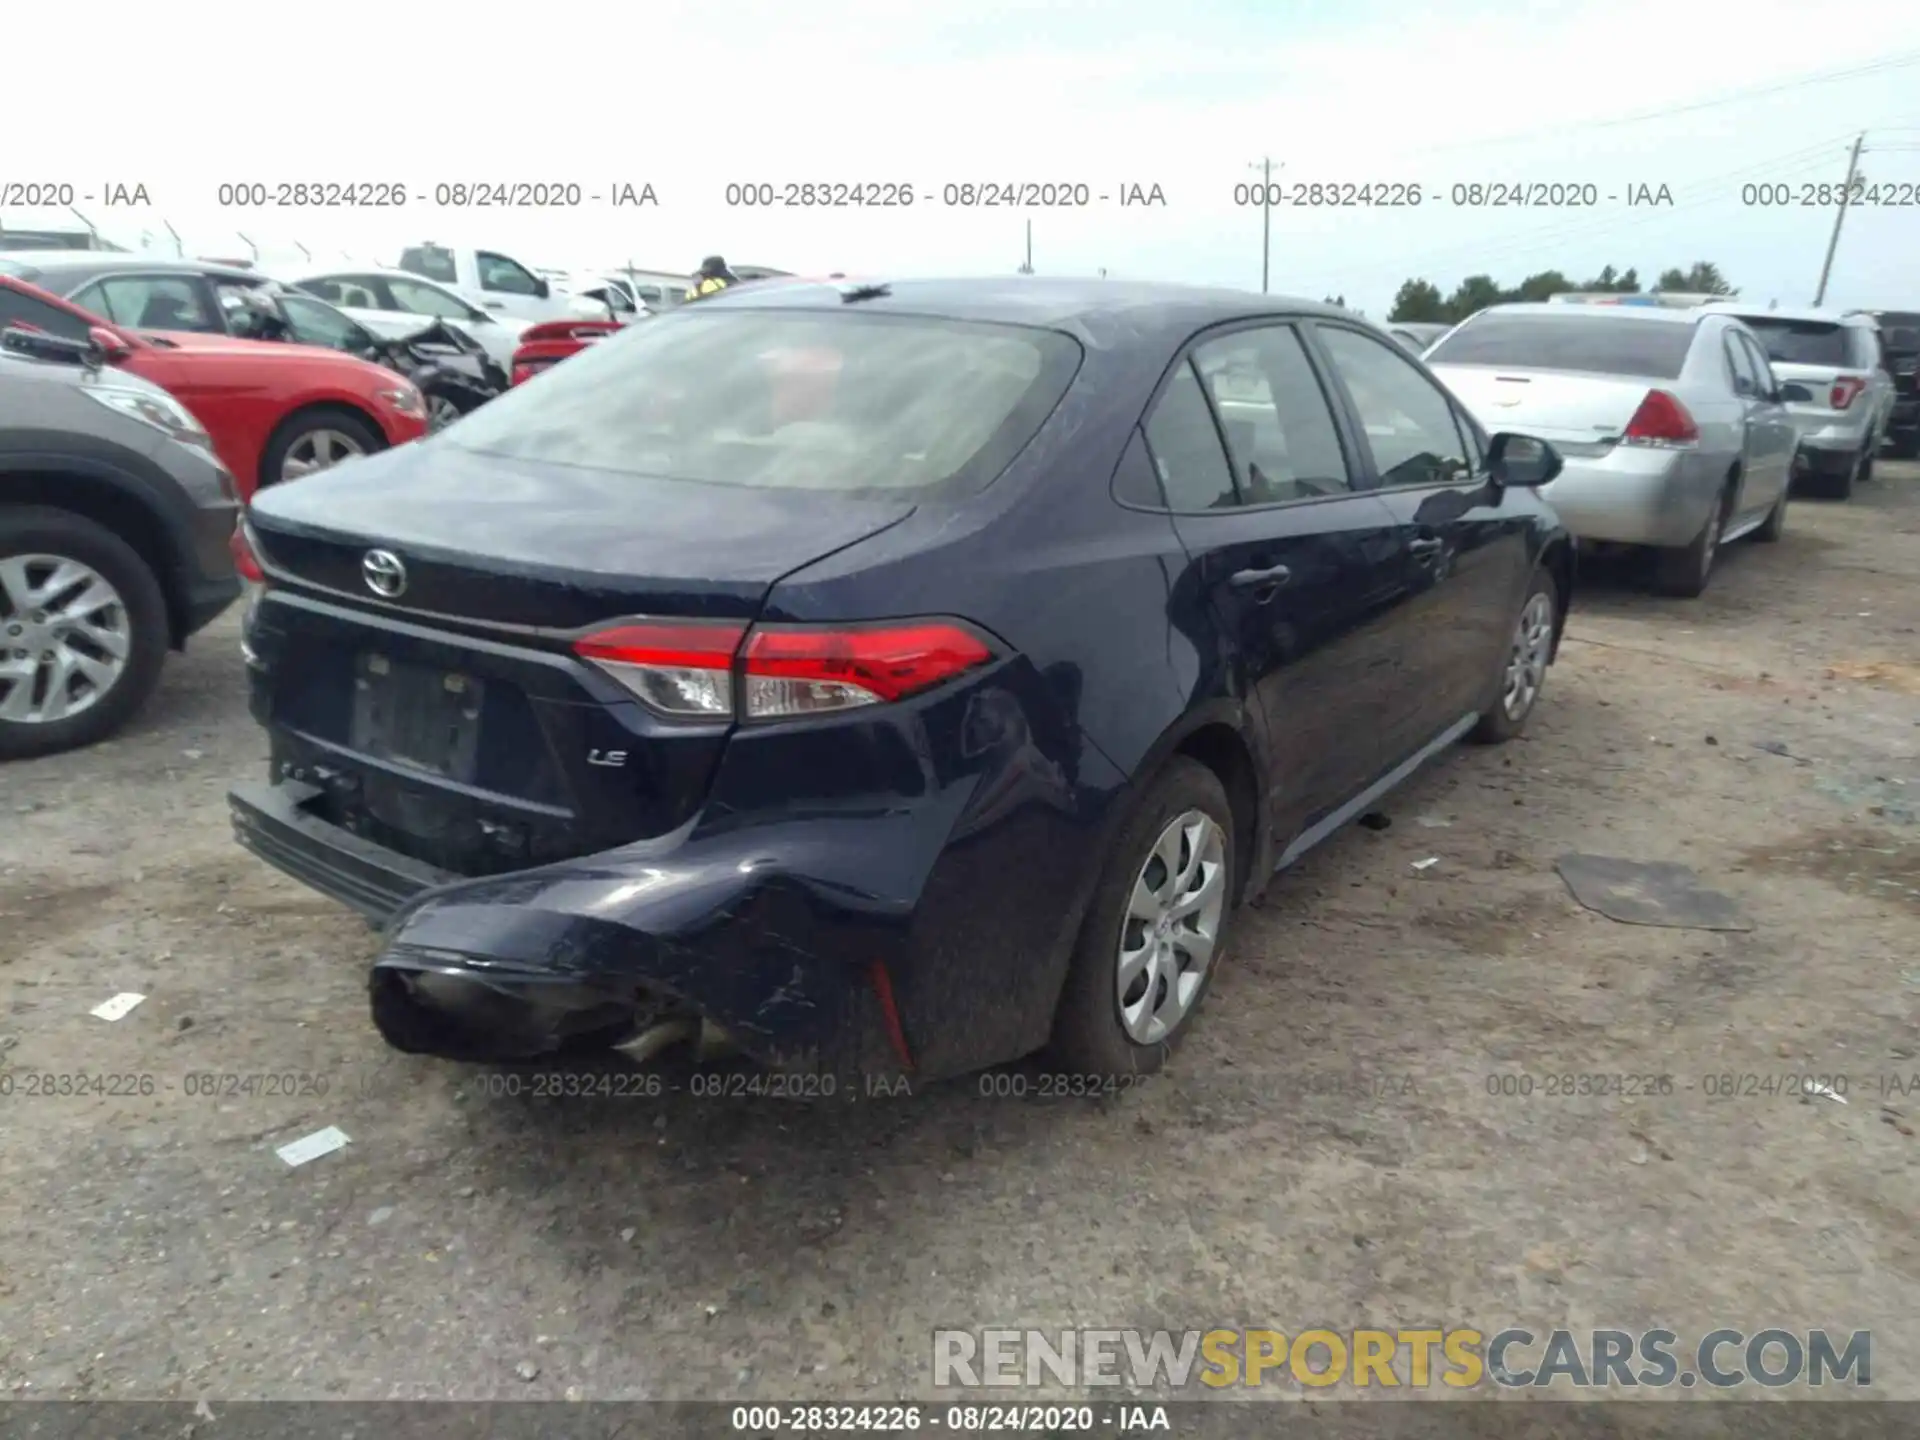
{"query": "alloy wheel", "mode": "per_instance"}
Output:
(65, 638)
(316, 450)
(1171, 927)
(441, 412)
(1527, 662)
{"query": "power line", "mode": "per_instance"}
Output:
(1734, 97)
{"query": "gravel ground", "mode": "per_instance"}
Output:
(1324, 1149)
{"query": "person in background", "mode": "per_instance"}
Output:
(712, 277)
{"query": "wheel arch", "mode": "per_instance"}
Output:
(1561, 560)
(306, 410)
(1217, 735)
(115, 502)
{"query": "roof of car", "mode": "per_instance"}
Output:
(1651, 314)
(99, 262)
(1142, 307)
(1789, 312)
(347, 267)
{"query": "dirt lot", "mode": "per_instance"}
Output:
(1324, 1150)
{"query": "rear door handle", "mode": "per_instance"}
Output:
(1425, 549)
(1261, 579)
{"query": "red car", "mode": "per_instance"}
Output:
(553, 341)
(275, 411)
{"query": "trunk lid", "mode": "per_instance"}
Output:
(512, 543)
(442, 722)
(1563, 407)
(1820, 379)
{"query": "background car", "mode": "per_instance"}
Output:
(1900, 345)
(275, 411)
(1416, 335)
(1849, 399)
(546, 345)
(986, 663)
(453, 373)
(1673, 428)
(493, 281)
(115, 524)
(373, 297)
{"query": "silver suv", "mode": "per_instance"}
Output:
(1836, 358)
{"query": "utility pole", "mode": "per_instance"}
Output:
(1840, 215)
(1266, 167)
(1026, 267)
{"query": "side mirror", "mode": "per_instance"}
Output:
(1796, 394)
(1522, 461)
(110, 345)
(542, 290)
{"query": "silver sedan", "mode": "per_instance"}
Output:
(1674, 430)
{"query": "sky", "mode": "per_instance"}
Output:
(1703, 97)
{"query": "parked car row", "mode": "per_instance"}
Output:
(1685, 424)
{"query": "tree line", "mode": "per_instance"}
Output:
(1420, 301)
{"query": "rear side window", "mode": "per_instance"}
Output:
(791, 400)
(1801, 342)
(435, 262)
(1585, 342)
(48, 319)
(1186, 450)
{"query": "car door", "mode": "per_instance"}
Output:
(1292, 556)
(509, 287)
(1466, 557)
(1766, 464)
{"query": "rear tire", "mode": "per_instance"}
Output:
(135, 619)
(1837, 487)
(1684, 572)
(1523, 672)
(1098, 1030)
(1776, 522)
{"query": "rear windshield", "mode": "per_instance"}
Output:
(1596, 344)
(1801, 342)
(788, 400)
(433, 261)
(1904, 338)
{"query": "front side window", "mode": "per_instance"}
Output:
(316, 323)
(1409, 421)
(420, 299)
(507, 277)
(801, 400)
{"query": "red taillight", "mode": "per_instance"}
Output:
(1845, 390)
(679, 668)
(686, 669)
(1661, 420)
(245, 563)
(801, 670)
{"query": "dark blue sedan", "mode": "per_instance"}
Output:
(887, 678)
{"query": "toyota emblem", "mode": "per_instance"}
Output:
(384, 573)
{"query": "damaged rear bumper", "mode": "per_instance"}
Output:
(720, 930)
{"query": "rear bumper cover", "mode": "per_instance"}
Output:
(1637, 496)
(876, 943)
